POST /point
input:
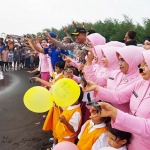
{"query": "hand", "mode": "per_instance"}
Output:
(83, 25)
(29, 39)
(96, 59)
(30, 72)
(80, 67)
(108, 110)
(62, 119)
(74, 24)
(67, 59)
(89, 57)
(91, 86)
(47, 35)
(36, 78)
(65, 30)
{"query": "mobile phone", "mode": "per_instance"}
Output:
(94, 104)
(32, 80)
(84, 81)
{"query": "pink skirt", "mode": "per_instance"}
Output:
(45, 76)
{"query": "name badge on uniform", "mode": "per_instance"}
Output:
(111, 78)
(135, 94)
(125, 80)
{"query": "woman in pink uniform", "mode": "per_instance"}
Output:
(137, 121)
(129, 59)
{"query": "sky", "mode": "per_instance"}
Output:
(31, 16)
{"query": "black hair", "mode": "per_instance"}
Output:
(147, 38)
(131, 34)
(60, 65)
(45, 39)
(90, 32)
(75, 70)
(6, 47)
(120, 134)
(81, 95)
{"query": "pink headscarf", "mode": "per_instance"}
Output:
(146, 55)
(110, 53)
(98, 52)
(132, 55)
(115, 43)
(96, 39)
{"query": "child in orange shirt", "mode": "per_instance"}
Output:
(58, 74)
(69, 122)
(93, 133)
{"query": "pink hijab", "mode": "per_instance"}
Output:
(98, 52)
(96, 39)
(132, 55)
(110, 53)
(146, 55)
(115, 43)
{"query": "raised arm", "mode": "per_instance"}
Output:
(35, 45)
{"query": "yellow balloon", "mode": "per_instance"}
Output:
(38, 99)
(65, 92)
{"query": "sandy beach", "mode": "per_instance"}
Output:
(20, 129)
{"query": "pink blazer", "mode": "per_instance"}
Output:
(118, 82)
(137, 121)
(43, 63)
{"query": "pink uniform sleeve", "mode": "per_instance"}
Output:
(132, 124)
(74, 64)
(90, 75)
(76, 78)
(119, 97)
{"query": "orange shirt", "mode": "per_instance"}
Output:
(61, 130)
(87, 138)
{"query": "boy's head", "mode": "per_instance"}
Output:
(59, 67)
(130, 35)
(117, 138)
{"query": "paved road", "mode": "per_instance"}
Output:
(18, 130)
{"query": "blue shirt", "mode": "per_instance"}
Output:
(1, 48)
(55, 54)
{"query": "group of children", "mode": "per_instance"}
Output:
(68, 124)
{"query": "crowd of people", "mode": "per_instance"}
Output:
(114, 76)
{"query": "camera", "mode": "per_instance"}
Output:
(32, 80)
(84, 81)
(94, 104)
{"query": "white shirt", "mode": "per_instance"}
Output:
(75, 120)
(57, 75)
(101, 141)
(121, 148)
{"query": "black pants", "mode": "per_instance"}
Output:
(5, 64)
(27, 63)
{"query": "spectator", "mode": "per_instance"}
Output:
(130, 38)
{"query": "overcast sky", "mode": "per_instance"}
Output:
(30, 16)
